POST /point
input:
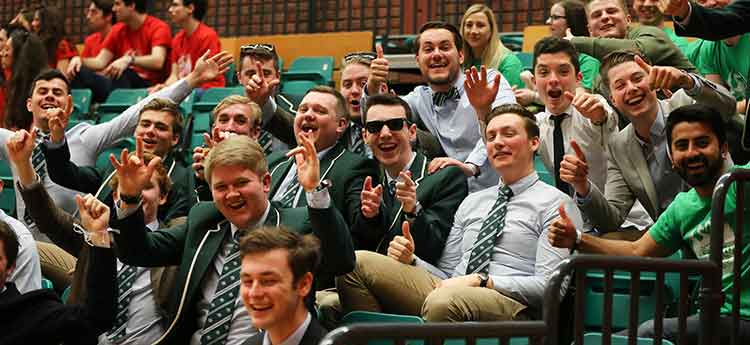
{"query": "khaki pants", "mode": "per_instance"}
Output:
(381, 284)
(57, 265)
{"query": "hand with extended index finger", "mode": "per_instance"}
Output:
(588, 105)
(378, 72)
(370, 198)
(402, 248)
(562, 232)
(406, 192)
(665, 78)
(575, 170)
(308, 165)
(257, 88)
(133, 173)
(480, 91)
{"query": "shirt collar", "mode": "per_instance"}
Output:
(523, 184)
(153, 226)
(296, 337)
(657, 128)
(568, 111)
(406, 168)
(260, 221)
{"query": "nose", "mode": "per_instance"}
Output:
(385, 132)
(548, 21)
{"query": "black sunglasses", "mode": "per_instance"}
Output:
(374, 127)
(249, 48)
(366, 56)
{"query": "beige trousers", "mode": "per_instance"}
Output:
(57, 265)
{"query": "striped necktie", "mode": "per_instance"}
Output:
(357, 145)
(39, 163)
(492, 227)
(125, 279)
(221, 309)
(265, 140)
(439, 98)
(287, 200)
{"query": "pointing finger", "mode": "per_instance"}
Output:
(577, 149)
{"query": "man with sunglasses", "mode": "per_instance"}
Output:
(450, 106)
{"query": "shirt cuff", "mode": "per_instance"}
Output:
(53, 145)
(697, 86)
(582, 199)
(319, 199)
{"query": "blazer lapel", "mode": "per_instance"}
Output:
(641, 169)
(207, 253)
(327, 163)
(418, 171)
(277, 176)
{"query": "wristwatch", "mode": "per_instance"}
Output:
(483, 279)
(325, 184)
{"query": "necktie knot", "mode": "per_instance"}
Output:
(439, 98)
(558, 119)
(505, 192)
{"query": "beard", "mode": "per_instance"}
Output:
(711, 171)
(449, 80)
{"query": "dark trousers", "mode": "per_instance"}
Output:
(671, 330)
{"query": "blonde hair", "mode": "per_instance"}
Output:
(237, 150)
(495, 51)
(255, 111)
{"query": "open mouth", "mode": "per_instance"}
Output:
(236, 204)
(387, 147)
(635, 100)
(46, 106)
(606, 27)
(308, 128)
(438, 65)
(355, 104)
(149, 141)
(555, 93)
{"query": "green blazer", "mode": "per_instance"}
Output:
(439, 194)
(346, 170)
(194, 244)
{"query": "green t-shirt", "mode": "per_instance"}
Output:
(589, 69)
(731, 63)
(687, 222)
(680, 42)
(510, 67)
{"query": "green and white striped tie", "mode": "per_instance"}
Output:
(221, 309)
(492, 227)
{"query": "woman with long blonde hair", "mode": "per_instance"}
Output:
(483, 47)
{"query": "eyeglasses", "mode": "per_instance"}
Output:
(250, 48)
(554, 17)
(374, 127)
(367, 56)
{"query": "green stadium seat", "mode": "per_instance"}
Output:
(81, 103)
(47, 284)
(367, 316)
(230, 76)
(213, 96)
(541, 170)
(8, 194)
(186, 107)
(318, 69)
(295, 90)
(201, 122)
(196, 139)
(121, 99)
(527, 60)
(597, 339)
(65, 295)
(102, 162)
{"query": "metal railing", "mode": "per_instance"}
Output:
(577, 267)
(260, 17)
(738, 178)
(437, 333)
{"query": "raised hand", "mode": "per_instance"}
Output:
(257, 89)
(378, 72)
(308, 165)
(370, 198)
(199, 155)
(675, 8)
(524, 96)
(132, 173)
(402, 248)
(406, 192)
(480, 91)
(665, 78)
(57, 120)
(588, 105)
(95, 219)
(208, 68)
(562, 233)
(575, 171)
(20, 146)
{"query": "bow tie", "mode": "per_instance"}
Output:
(439, 98)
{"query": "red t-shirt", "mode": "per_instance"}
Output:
(152, 33)
(187, 49)
(92, 45)
(64, 51)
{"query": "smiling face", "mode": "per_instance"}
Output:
(268, 290)
(696, 153)
(240, 194)
(647, 12)
(607, 19)
(557, 21)
(236, 119)
(318, 120)
(47, 94)
(155, 128)
(438, 58)
(476, 31)
(630, 93)
(353, 79)
(392, 148)
(509, 147)
(553, 75)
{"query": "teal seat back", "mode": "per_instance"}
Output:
(121, 99)
(318, 69)
(213, 96)
(81, 103)
(103, 162)
(597, 339)
(527, 60)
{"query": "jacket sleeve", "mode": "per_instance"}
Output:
(67, 174)
(335, 240)
(279, 122)
(50, 219)
(353, 187)
(716, 23)
(136, 245)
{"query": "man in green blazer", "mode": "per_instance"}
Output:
(206, 248)
(638, 165)
(405, 191)
(322, 117)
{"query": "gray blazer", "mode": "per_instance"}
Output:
(628, 177)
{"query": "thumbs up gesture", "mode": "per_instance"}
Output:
(378, 72)
(370, 198)
(401, 248)
(665, 78)
(562, 232)
(574, 170)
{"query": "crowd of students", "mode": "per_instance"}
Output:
(288, 217)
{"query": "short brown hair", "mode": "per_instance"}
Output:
(162, 175)
(255, 111)
(341, 108)
(457, 41)
(617, 58)
(303, 250)
(389, 100)
(236, 150)
(621, 3)
(532, 129)
(167, 106)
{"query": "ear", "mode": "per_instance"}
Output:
(412, 132)
(724, 153)
(535, 143)
(162, 199)
(304, 284)
(28, 104)
(341, 126)
(579, 77)
(460, 57)
(175, 139)
(266, 180)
